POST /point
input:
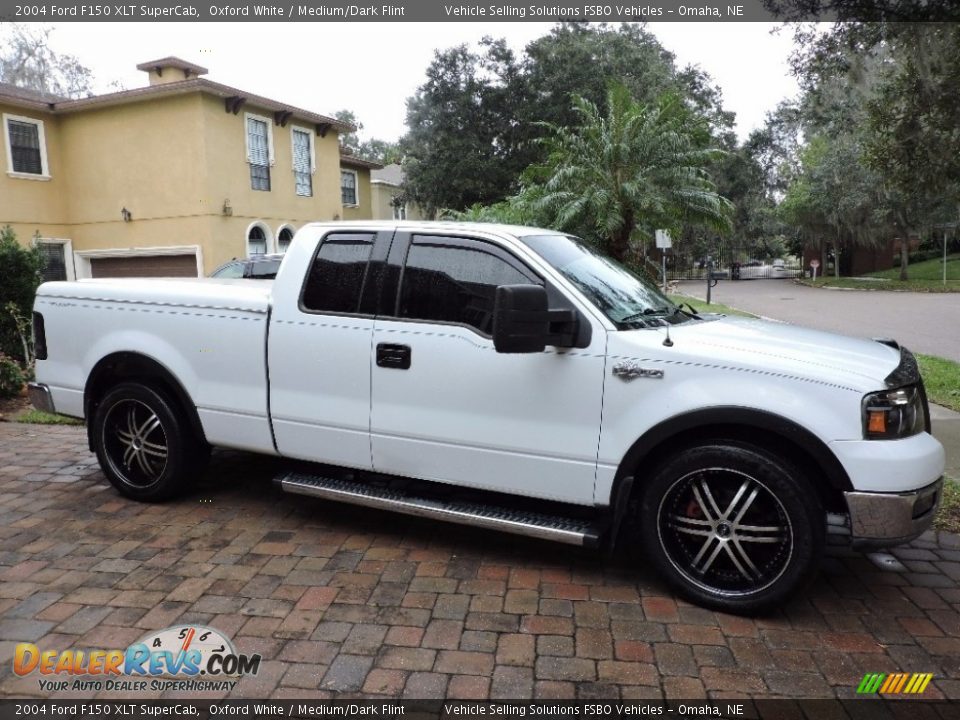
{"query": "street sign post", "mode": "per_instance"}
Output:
(814, 264)
(664, 243)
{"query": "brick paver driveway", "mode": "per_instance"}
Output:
(341, 599)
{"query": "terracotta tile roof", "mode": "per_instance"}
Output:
(57, 105)
(173, 62)
(30, 98)
(391, 174)
(354, 161)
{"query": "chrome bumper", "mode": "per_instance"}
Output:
(883, 519)
(40, 397)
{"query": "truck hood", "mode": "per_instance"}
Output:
(761, 345)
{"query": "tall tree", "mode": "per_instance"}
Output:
(460, 148)
(27, 61)
(629, 171)
(381, 151)
(904, 78)
(580, 58)
(474, 125)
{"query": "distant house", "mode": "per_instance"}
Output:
(856, 261)
(355, 190)
(173, 178)
(388, 201)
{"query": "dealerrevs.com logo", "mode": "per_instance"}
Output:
(184, 657)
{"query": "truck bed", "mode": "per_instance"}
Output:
(211, 334)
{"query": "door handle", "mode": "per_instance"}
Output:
(393, 356)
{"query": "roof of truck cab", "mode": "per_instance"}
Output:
(433, 225)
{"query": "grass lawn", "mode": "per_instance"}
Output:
(39, 417)
(948, 517)
(701, 306)
(926, 276)
(942, 380)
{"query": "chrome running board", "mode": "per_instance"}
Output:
(572, 531)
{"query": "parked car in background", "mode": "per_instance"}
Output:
(258, 267)
(756, 269)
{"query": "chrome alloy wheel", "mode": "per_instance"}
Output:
(725, 531)
(135, 443)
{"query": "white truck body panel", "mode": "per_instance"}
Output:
(465, 414)
(209, 334)
(554, 425)
(812, 378)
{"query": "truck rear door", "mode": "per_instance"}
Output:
(319, 351)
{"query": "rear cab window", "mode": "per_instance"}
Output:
(337, 275)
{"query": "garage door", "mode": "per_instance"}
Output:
(144, 266)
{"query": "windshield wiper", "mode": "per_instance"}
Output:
(692, 313)
(648, 312)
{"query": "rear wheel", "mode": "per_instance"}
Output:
(731, 526)
(144, 443)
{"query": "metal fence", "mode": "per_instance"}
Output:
(731, 263)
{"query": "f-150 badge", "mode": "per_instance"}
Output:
(630, 369)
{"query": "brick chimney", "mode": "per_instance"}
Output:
(170, 70)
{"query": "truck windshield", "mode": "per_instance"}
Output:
(626, 299)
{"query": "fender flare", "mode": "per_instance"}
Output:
(150, 368)
(730, 417)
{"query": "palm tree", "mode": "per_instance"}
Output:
(624, 175)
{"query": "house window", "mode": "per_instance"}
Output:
(348, 187)
(259, 152)
(26, 146)
(256, 241)
(399, 210)
(54, 261)
(284, 239)
(303, 162)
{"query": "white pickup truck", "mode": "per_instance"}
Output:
(510, 378)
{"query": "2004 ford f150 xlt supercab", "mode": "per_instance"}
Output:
(511, 378)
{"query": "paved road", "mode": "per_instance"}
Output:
(340, 599)
(924, 322)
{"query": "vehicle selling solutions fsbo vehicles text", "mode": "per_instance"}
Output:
(598, 12)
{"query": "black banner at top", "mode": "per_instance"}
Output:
(367, 709)
(721, 11)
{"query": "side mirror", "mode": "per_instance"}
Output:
(521, 321)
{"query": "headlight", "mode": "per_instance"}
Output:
(891, 414)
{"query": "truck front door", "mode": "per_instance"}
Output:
(447, 407)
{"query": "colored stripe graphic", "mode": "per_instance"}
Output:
(871, 682)
(895, 683)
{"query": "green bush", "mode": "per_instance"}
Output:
(11, 377)
(19, 279)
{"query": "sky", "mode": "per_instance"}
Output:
(372, 68)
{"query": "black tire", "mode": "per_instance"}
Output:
(731, 526)
(144, 444)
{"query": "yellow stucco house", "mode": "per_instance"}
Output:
(174, 178)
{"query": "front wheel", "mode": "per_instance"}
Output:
(143, 443)
(731, 526)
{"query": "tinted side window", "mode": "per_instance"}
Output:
(233, 270)
(336, 277)
(456, 282)
(264, 269)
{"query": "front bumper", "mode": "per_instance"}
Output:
(40, 397)
(880, 519)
